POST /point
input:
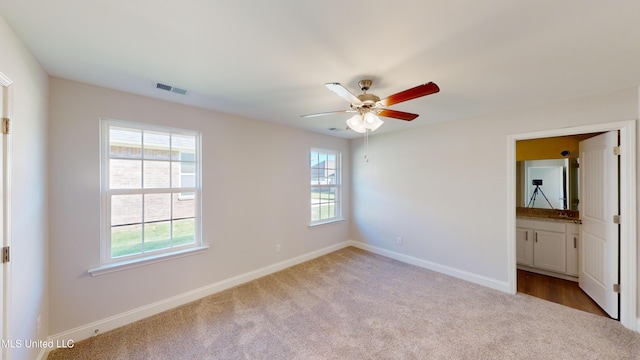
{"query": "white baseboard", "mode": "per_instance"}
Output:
(128, 317)
(457, 273)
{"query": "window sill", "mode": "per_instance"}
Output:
(128, 264)
(326, 222)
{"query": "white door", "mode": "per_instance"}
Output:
(599, 263)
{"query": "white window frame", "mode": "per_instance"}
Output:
(109, 263)
(337, 186)
(186, 196)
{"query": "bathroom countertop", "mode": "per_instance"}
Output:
(569, 216)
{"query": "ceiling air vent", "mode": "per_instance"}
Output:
(163, 87)
(173, 89)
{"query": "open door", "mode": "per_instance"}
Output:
(599, 199)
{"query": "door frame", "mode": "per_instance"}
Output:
(628, 201)
(5, 215)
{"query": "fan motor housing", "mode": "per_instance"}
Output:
(368, 100)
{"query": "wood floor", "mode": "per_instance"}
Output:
(560, 291)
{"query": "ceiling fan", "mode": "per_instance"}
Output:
(369, 106)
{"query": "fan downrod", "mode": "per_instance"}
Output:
(365, 84)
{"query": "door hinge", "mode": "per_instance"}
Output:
(616, 150)
(6, 254)
(616, 288)
(6, 125)
(616, 219)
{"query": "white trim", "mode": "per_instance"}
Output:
(7, 153)
(325, 222)
(512, 272)
(43, 354)
(628, 202)
(457, 273)
(132, 263)
(628, 228)
(150, 127)
(88, 330)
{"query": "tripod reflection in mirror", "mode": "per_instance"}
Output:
(532, 201)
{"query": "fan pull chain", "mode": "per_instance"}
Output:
(366, 145)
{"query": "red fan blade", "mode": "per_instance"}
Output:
(329, 113)
(416, 92)
(343, 92)
(397, 114)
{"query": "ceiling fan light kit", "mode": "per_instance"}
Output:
(362, 123)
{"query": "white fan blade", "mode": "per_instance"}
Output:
(329, 113)
(343, 93)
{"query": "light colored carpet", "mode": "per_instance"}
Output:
(352, 304)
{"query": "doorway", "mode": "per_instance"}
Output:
(628, 246)
(554, 164)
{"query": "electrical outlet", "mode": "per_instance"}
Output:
(399, 240)
(277, 247)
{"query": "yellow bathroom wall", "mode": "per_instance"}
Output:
(549, 148)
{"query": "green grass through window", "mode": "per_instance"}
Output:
(323, 205)
(127, 240)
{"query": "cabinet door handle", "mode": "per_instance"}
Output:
(536, 237)
(526, 236)
(575, 242)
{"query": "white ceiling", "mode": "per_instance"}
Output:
(268, 60)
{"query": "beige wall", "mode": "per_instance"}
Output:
(255, 195)
(29, 257)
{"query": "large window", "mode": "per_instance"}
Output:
(326, 204)
(150, 191)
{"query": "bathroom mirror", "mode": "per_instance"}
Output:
(549, 184)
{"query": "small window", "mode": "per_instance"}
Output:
(150, 190)
(326, 202)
